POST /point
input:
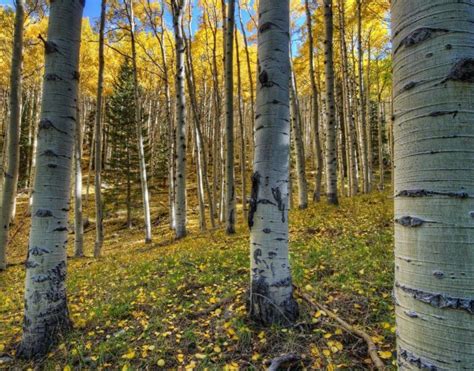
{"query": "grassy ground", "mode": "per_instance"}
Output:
(136, 307)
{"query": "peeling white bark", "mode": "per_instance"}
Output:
(433, 49)
(46, 312)
(271, 296)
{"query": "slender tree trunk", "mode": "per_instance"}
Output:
(271, 296)
(348, 111)
(9, 177)
(46, 312)
(434, 189)
(299, 146)
(362, 108)
(229, 119)
(178, 7)
(380, 121)
(243, 158)
(99, 211)
(331, 149)
(78, 223)
(315, 109)
(138, 123)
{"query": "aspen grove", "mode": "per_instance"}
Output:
(237, 184)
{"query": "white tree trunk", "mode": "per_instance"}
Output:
(9, 177)
(178, 7)
(271, 296)
(78, 223)
(315, 107)
(433, 49)
(99, 211)
(297, 137)
(229, 119)
(46, 313)
(331, 154)
(138, 123)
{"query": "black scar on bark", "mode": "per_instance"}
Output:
(253, 202)
(419, 35)
(52, 77)
(263, 311)
(462, 71)
(276, 192)
(38, 251)
(428, 193)
(439, 300)
(264, 79)
(266, 27)
(256, 255)
(415, 360)
(43, 213)
(49, 46)
(410, 221)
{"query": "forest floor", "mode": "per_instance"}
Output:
(149, 306)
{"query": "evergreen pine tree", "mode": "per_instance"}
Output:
(122, 170)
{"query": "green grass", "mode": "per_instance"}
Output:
(133, 307)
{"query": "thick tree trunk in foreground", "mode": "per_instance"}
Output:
(331, 154)
(434, 188)
(46, 312)
(9, 178)
(229, 119)
(99, 211)
(271, 296)
(178, 7)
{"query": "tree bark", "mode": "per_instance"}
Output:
(46, 312)
(331, 154)
(78, 223)
(99, 211)
(362, 109)
(138, 123)
(433, 64)
(297, 137)
(271, 292)
(229, 119)
(315, 107)
(178, 7)
(9, 177)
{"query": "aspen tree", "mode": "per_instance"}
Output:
(271, 292)
(315, 106)
(9, 176)
(46, 311)
(99, 211)
(229, 118)
(178, 7)
(331, 154)
(433, 71)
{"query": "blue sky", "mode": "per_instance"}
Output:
(91, 10)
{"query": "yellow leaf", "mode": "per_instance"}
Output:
(338, 331)
(129, 355)
(180, 357)
(330, 367)
(217, 349)
(2, 347)
(327, 352)
(255, 357)
(327, 336)
(385, 354)
(314, 350)
(161, 363)
(261, 335)
(200, 356)
(67, 368)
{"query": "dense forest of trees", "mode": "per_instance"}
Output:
(229, 114)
